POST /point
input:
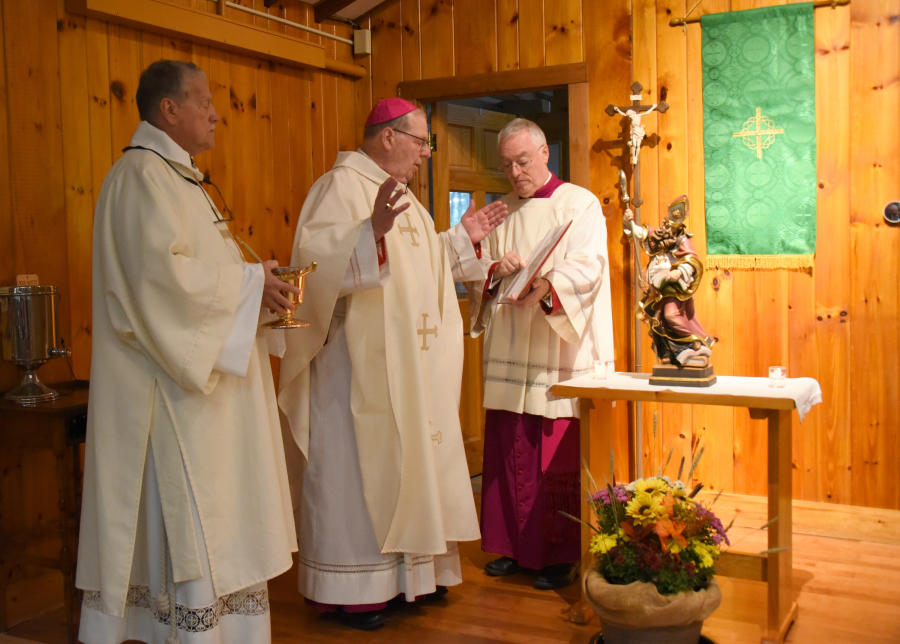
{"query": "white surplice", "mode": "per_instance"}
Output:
(527, 351)
(184, 464)
(370, 397)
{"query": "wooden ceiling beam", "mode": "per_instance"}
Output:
(327, 8)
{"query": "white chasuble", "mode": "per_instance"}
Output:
(527, 351)
(370, 396)
(183, 444)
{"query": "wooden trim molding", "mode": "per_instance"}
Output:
(513, 81)
(208, 28)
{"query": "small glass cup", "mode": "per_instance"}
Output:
(599, 372)
(777, 376)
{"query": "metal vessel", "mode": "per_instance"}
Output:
(28, 321)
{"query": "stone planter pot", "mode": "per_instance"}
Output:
(638, 614)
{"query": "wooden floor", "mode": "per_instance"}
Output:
(848, 592)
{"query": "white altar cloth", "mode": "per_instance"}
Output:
(805, 392)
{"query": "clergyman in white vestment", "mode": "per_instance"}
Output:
(186, 508)
(532, 468)
(370, 395)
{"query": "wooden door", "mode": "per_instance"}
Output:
(466, 161)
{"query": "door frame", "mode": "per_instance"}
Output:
(573, 76)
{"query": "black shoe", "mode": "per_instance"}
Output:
(437, 595)
(502, 567)
(366, 621)
(556, 576)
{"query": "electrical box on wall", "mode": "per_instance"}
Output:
(362, 42)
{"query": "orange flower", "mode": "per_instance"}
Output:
(666, 528)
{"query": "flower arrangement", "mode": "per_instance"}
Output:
(652, 530)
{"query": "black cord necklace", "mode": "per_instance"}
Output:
(219, 218)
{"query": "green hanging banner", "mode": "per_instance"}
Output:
(759, 131)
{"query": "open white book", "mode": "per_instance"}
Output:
(520, 283)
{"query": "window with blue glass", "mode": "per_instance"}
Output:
(459, 202)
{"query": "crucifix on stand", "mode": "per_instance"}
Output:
(634, 113)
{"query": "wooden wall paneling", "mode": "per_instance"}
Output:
(475, 36)
(832, 272)
(644, 71)
(38, 184)
(226, 101)
(277, 10)
(441, 165)
(410, 39)
(579, 135)
(9, 373)
(245, 157)
(298, 12)
(362, 89)
(300, 138)
(713, 427)
(266, 229)
(507, 35)
(79, 189)
(346, 115)
(563, 32)
(317, 125)
(241, 16)
(200, 57)
(329, 102)
(99, 95)
(436, 19)
(675, 428)
(151, 48)
(346, 95)
(608, 55)
(283, 221)
(874, 177)
(760, 293)
(387, 57)
(803, 361)
(176, 49)
(532, 40)
(124, 74)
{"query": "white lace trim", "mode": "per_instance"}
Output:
(192, 620)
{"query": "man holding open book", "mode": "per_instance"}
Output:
(545, 307)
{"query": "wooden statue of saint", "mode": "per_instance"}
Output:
(672, 276)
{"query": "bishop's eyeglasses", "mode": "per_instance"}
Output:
(424, 143)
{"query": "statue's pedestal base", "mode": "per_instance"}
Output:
(667, 374)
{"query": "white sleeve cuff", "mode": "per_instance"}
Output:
(463, 260)
(363, 271)
(238, 347)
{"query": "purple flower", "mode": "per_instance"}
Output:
(602, 496)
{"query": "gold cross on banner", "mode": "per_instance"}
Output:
(757, 127)
(438, 438)
(409, 228)
(424, 331)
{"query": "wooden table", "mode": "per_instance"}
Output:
(763, 404)
(60, 427)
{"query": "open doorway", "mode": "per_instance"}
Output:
(466, 168)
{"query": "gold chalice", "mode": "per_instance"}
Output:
(297, 277)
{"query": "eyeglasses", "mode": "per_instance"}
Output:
(521, 165)
(425, 143)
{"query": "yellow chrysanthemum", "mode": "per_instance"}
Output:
(645, 508)
(706, 553)
(603, 543)
(651, 486)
